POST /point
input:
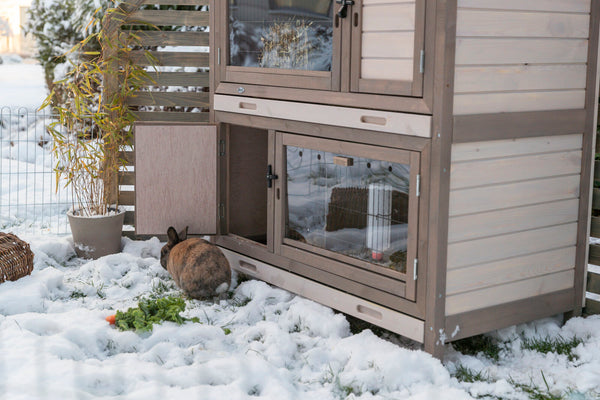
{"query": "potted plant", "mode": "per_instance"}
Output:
(94, 123)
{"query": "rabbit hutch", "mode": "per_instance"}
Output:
(424, 165)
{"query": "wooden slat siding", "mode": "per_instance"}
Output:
(161, 38)
(489, 198)
(514, 291)
(189, 99)
(593, 282)
(129, 218)
(592, 306)
(486, 250)
(171, 58)
(484, 23)
(128, 157)
(519, 77)
(594, 254)
(596, 199)
(511, 270)
(516, 312)
(514, 147)
(127, 178)
(515, 57)
(178, 79)
(387, 40)
(127, 197)
(481, 103)
(493, 223)
(516, 126)
(503, 170)
(493, 52)
(595, 227)
(170, 17)
(161, 116)
(575, 6)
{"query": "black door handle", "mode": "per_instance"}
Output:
(270, 176)
(343, 11)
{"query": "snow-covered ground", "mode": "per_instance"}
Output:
(261, 342)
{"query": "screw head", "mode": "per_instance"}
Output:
(241, 90)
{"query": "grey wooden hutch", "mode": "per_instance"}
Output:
(421, 164)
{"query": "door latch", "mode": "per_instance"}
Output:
(270, 176)
(343, 11)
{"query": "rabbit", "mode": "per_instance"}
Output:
(198, 267)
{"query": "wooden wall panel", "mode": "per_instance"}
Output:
(176, 178)
(387, 40)
(501, 294)
(512, 230)
(514, 56)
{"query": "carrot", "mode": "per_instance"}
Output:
(111, 319)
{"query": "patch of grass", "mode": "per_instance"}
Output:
(557, 345)
(465, 374)
(77, 294)
(478, 344)
(534, 392)
(150, 312)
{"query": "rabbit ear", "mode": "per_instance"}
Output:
(172, 235)
(183, 234)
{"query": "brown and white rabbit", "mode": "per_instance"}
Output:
(198, 267)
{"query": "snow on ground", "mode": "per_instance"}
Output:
(21, 83)
(260, 342)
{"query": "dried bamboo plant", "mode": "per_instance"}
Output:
(94, 124)
(286, 45)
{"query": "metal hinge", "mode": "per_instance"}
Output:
(415, 268)
(222, 147)
(219, 56)
(422, 65)
(222, 210)
(418, 185)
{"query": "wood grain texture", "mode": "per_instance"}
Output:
(514, 147)
(499, 51)
(406, 124)
(495, 295)
(387, 69)
(510, 270)
(390, 16)
(519, 77)
(169, 38)
(487, 23)
(510, 169)
(169, 192)
(470, 201)
(481, 103)
(476, 128)
(388, 45)
(503, 315)
(575, 6)
(493, 223)
(189, 99)
(170, 17)
(171, 58)
(494, 248)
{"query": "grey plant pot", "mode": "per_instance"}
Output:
(94, 237)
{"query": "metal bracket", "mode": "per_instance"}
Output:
(343, 11)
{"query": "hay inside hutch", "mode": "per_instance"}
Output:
(423, 165)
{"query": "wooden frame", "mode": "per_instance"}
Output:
(316, 80)
(362, 271)
(408, 87)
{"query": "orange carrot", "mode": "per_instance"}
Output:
(111, 319)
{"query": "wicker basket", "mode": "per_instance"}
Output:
(16, 258)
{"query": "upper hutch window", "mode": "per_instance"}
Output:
(299, 43)
(282, 43)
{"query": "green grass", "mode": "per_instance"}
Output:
(465, 374)
(478, 344)
(536, 393)
(558, 345)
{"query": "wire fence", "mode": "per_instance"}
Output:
(29, 198)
